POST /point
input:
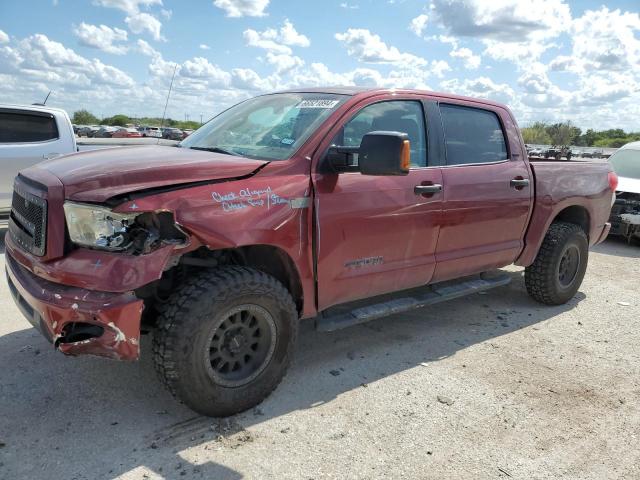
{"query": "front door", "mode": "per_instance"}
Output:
(377, 234)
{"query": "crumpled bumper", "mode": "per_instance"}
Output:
(110, 322)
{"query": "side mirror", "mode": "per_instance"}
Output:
(379, 153)
(384, 153)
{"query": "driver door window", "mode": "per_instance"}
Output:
(404, 116)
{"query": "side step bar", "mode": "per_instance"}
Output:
(430, 295)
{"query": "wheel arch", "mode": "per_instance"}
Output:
(572, 213)
(575, 214)
(269, 259)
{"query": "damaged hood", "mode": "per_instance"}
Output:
(628, 184)
(97, 175)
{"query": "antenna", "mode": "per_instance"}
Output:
(46, 98)
(167, 102)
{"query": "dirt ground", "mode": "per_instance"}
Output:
(489, 386)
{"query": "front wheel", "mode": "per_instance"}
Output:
(225, 340)
(558, 270)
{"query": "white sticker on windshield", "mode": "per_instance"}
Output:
(318, 103)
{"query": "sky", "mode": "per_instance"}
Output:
(549, 60)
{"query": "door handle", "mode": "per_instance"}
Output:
(519, 183)
(427, 189)
(49, 156)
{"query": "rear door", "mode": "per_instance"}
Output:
(376, 234)
(488, 190)
(26, 138)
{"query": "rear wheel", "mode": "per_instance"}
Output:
(225, 339)
(559, 268)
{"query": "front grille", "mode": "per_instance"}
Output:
(28, 221)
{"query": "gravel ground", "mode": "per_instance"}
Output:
(489, 386)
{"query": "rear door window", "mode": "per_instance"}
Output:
(18, 127)
(472, 135)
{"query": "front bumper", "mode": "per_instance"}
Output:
(56, 310)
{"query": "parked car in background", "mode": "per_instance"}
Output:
(29, 134)
(105, 132)
(126, 133)
(222, 245)
(88, 131)
(151, 132)
(558, 151)
(186, 132)
(172, 134)
(625, 214)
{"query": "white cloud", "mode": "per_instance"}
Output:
(243, 8)
(605, 40)
(200, 68)
(482, 87)
(290, 36)
(129, 6)
(144, 22)
(247, 79)
(470, 60)
(256, 39)
(4, 38)
(101, 37)
(37, 60)
(284, 63)
(419, 24)
(503, 20)
(439, 67)
(146, 49)
(204, 46)
(349, 6)
(368, 47)
(276, 41)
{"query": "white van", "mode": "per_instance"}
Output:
(29, 134)
(151, 132)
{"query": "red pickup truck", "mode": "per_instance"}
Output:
(315, 203)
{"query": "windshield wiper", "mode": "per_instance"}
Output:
(216, 150)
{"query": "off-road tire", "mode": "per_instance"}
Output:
(181, 341)
(542, 278)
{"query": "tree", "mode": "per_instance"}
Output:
(564, 133)
(117, 120)
(536, 134)
(84, 117)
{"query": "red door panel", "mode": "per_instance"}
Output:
(374, 234)
(484, 218)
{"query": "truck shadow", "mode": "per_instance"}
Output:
(118, 419)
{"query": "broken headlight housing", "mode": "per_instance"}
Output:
(98, 227)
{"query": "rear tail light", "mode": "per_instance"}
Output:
(613, 181)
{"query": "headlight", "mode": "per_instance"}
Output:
(98, 227)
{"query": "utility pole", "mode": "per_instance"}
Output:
(200, 119)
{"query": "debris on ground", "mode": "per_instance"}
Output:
(504, 471)
(445, 400)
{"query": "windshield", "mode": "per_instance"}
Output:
(271, 126)
(626, 163)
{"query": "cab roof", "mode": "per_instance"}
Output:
(369, 91)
